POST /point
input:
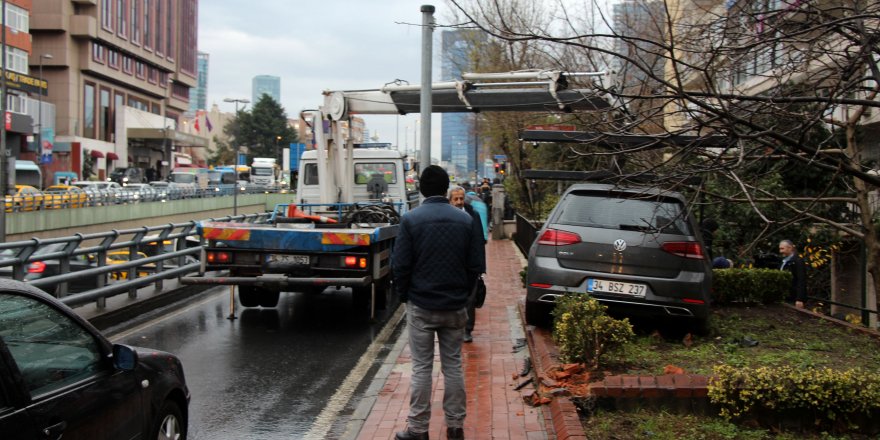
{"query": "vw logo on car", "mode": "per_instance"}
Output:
(619, 245)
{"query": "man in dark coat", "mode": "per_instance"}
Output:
(435, 263)
(793, 263)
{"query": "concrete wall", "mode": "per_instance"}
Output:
(67, 222)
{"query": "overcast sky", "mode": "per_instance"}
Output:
(315, 46)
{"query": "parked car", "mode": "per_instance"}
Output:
(137, 192)
(51, 267)
(63, 379)
(65, 196)
(123, 256)
(100, 193)
(25, 198)
(125, 176)
(635, 250)
(163, 193)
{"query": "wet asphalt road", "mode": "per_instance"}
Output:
(271, 373)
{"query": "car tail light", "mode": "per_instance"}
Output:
(541, 285)
(555, 237)
(219, 257)
(693, 301)
(36, 267)
(687, 249)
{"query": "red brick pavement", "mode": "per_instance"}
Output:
(494, 409)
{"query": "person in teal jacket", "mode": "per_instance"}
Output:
(480, 207)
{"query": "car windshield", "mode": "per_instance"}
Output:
(262, 171)
(623, 211)
(183, 178)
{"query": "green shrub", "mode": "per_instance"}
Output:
(823, 395)
(583, 332)
(750, 285)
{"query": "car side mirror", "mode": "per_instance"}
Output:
(124, 357)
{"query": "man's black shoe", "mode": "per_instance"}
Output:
(455, 433)
(409, 435)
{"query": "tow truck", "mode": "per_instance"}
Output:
(342, 231)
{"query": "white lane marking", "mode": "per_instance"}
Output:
(343, 394)
(120, 336)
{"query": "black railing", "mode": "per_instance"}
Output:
(526, 232)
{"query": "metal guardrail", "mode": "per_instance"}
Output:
(53, 201)
(27, 260)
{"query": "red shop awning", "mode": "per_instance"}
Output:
(112, 156)
(97, 154)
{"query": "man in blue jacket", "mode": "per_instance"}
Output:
(435, 262)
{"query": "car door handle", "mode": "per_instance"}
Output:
(55, 431)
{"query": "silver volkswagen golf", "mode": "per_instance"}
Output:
(636, 250)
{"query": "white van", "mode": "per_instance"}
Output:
(369, 164)
(28, 173)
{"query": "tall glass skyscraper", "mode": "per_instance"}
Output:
(198, 98)
(265, 84)
(459, 144)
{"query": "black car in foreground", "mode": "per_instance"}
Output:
(61, 379)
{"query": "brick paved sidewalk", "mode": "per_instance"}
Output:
(494, 409)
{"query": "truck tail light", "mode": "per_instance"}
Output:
(555, 237)
(36, 267)
(219, 257)
(686, 249)
(351, 261)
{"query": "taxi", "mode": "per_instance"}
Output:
(65, 196)
(25, 198)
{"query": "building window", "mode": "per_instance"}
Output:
(98, 53)
(135, 21)
(138, 104)
(163, 79)
(17, 104)
(104, 113)
(89, 111)
(188, 38)
(140, 69)
(17, 18)
(16, 60)
(126, 65)
(148, 42)
(169, 32)
(113, 58)
(107, 14)
(153, 76)
(121, 17)
(159, 28)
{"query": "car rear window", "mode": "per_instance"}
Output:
(626, 211)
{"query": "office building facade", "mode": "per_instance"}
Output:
(198, 99)
(121, 74)
(459, 143)
(265, 85)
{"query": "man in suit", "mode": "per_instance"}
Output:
(793, 263)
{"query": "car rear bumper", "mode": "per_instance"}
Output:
(686, 295)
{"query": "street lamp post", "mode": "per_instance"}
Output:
(277, 140)
(235, 150)
(39, 142)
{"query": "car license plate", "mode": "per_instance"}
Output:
(605, 286)
(289, 259)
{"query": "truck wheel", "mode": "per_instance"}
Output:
(248, 296)
(269, 299)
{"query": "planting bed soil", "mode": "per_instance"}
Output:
(739, 336)
(752, 336)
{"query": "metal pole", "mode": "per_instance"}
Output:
(426, 104)
(235, 151)
(4, 161)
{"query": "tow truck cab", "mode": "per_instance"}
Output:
(368, 162)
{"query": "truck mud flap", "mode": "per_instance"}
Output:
(277, 281)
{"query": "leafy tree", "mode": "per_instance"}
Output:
(264, 130)
(88, 164)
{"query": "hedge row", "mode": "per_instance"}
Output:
(823, 398)
(750, 285)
